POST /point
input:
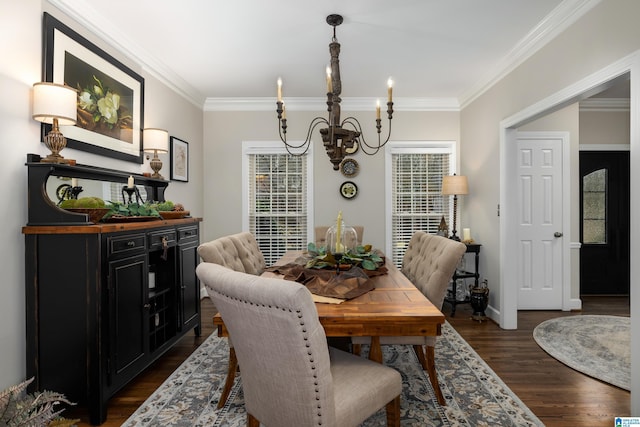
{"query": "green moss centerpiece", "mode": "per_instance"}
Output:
(361, 256)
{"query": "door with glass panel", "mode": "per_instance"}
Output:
(604, 222)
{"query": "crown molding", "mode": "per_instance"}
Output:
(92, 21)
(562, 17)
(607, 105)
(319, 103)
(557, 21)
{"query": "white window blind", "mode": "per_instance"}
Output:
(416, 201)
(277, 200)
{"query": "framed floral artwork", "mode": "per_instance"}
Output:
(110, 95)
(179, 153)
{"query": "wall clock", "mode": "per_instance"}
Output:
(348, 190)
(349, 167)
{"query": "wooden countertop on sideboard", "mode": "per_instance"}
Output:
(106, 227)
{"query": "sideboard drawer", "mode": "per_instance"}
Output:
(187, 233)
(131, 243)
(158, 239)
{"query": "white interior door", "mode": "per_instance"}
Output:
(540, 255)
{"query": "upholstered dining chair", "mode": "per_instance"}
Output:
(429, 262)
(290, 377)
(239, 252)
(321, 232)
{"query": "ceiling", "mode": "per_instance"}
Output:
(433, 49)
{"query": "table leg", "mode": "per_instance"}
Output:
(375, 352)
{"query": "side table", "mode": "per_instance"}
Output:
(473, 248)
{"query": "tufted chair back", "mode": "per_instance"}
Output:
(289, 375)
(429, 262)
(249, 252)
(221, 251)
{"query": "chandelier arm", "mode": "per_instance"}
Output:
(307, 142)
(314, 123)
(373, 148)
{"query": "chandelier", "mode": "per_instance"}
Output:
(339, 137)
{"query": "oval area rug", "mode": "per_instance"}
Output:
(598, 346)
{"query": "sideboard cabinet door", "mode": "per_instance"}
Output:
(128, 314)
(188, 283)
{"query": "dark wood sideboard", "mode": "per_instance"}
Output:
(103, 301)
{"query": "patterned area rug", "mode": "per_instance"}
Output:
(599, 346)
(474, 393)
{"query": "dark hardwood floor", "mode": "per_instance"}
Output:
(558, 395)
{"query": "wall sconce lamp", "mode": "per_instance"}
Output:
(155, 141)
(454, 185)
(55, 104)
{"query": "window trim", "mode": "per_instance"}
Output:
(411, 147)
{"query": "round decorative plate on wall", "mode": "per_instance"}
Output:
(349, 167)
(348, 190)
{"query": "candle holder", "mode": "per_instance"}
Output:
(131, 191)
(74, 191)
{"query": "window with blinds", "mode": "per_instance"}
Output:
(277, 200)
(416, 201)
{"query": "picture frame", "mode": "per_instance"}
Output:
(110, 94)
(179, 154)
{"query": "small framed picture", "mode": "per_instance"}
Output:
(179, 160)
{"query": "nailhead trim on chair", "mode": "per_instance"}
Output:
(304, 337)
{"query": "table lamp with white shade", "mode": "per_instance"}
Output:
(55, 104)
(155, 141)
(454, 185)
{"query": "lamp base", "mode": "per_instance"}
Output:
(55, 142)
(454, 237)
(156, 165)
(57, 158)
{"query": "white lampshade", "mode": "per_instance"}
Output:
(455, 185)
(155, 139)
(55, 101)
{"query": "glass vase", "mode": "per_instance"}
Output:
(341, 238)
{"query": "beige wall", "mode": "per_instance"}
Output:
(603, 36)
(224, 133)
(21, 26)
(599, 127)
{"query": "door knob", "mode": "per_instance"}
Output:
(557, 234)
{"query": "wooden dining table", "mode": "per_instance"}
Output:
(395, 307)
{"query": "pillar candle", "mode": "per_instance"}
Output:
(279, 89)
(130, 182)
(338, 232)
(466, 234)
(74, 182)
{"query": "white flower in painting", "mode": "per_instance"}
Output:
(86, 102)
(109, 106)
(97, 89)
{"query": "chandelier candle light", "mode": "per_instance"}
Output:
(336, 137)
